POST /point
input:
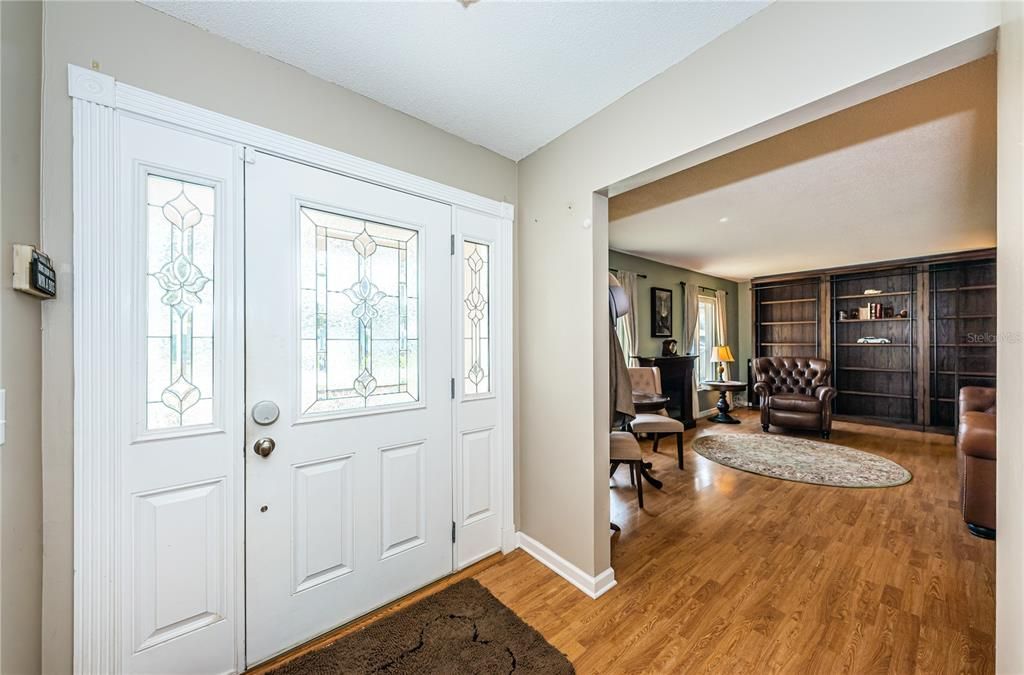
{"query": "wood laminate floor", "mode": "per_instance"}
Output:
(729, 572)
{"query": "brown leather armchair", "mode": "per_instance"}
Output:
(976, 459)
(795, 392)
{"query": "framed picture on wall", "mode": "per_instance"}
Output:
(661, 312)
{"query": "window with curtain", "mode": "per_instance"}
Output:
(706, 308)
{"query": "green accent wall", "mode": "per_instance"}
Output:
(661, 275)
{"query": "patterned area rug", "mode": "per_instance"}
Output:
(802, 460)
(462, 629)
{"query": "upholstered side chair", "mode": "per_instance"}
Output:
(623, 449)
(795, 392)
(648, 381)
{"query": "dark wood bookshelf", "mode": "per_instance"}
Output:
(945, 342)
(962, 303)
(786, 319)
(875, 379)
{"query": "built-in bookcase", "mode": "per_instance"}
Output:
(934, 330)
(787, 319)
(874, 344)
(962, 302)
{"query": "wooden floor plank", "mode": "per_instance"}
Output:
(729, 572)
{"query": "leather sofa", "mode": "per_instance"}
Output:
(795, 392)
(976, 459)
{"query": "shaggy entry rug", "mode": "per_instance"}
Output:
(801, 459)
(462, 629)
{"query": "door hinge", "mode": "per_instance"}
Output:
(453, 531)
(453, 244)
(453, 388)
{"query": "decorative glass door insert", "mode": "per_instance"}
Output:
(179, 338)
(359, 313)
(476, 318)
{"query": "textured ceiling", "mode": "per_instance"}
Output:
(906, 174)
(510, 76)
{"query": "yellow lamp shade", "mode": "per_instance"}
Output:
(722, 354)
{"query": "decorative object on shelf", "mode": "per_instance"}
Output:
(854, 313)
(843, 315)
(661, 312)
(870, 340)
(904, 314)
(864, 312)
(888, 312)
(803, 460)
(722, 354)
(872, 291)
(669, 348)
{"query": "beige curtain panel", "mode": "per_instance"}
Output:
(722, 330)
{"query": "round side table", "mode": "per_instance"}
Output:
(724, 387)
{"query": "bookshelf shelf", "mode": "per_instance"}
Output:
(891, 318)
(788, 302)
(861, 296)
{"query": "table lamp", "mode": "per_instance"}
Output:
(722, 354)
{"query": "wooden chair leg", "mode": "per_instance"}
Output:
(615, 466)
(679, 449)
(657, 437)
(632, 473)
(639, 485)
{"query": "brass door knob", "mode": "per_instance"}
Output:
(264, 446)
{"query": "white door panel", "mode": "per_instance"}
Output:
(181, 399)
(478, 494)
(348, 293)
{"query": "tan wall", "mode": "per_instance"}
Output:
(788, 56)
(143, 47)
(1010, 432)
(20, 352)
(744, 324)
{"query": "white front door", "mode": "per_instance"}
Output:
(348, 297)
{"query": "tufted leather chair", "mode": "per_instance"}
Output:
(976, 459)
(795, 392)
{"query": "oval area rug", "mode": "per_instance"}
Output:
(802, 460)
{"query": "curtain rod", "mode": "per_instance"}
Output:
(613, 271)
(703, 288)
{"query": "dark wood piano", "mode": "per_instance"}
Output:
(676, 379)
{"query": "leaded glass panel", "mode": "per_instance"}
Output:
(179, 311)
(358, 324)
(476, 318)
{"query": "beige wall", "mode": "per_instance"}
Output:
(788, 56)
(1010, 432)
(744, 325)
(143, 47)
(21, 507)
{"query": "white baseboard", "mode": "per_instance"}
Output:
(593, 586)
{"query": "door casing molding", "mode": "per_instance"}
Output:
(98, 99)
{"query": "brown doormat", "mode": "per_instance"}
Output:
(462, 629)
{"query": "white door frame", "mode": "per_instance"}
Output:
(98, 101)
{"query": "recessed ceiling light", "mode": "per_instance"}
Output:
(724, 219)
